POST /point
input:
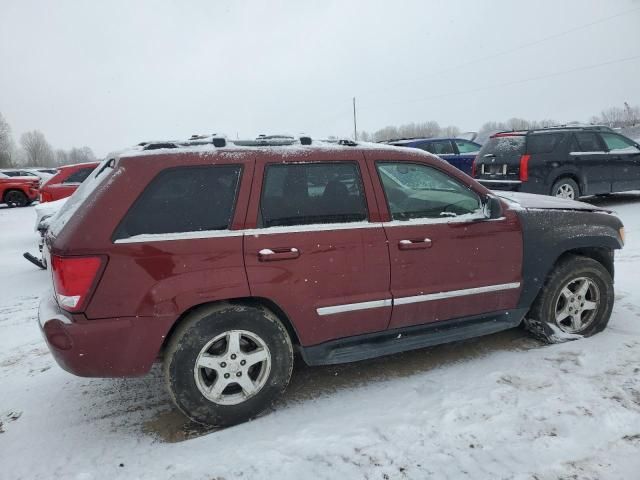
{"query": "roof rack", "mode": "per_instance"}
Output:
(259, 141)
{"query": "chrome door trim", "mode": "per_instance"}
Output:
(455, 293)
(388, 302)
(351, 307)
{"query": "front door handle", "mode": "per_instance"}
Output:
(272, 254)
(415, 244)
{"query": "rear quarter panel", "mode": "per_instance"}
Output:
(156, 278)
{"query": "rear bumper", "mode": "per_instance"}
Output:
(114, 347)
(511, 185)
(533, 185)
(33, 194)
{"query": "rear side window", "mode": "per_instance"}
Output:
(543, 142)
(585, 142)
(184, 199)
(312, 193)
(79, 176)
(443, 147)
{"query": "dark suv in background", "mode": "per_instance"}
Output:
(567, 162)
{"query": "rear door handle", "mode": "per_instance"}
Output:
(272, 254)
(415, 244)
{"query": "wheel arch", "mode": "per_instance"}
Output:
(13, 189)
(267, 303)
(575, 176)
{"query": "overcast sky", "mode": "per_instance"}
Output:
(111, 74)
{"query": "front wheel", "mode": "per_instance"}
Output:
(565, 188)
(575, 301)
(225, 364)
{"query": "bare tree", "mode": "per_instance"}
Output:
(38, 150)
(6, 144)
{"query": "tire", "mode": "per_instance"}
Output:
(206, 336)
(547, 319)
(565, 188)
(16, 198)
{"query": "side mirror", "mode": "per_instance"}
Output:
(493, 208)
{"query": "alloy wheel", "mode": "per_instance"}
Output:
(232, 367)
(565, 191)
(577, 305)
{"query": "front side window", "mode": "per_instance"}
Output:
(419, 191)
(312, 193)
(79, 176)
(465, 146)
(618, 144)
(184, 199)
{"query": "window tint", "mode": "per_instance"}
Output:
(420, 191)
(443, 147)
(465, 146)
(543, 142)
(79, 176)
(585, 142)
(618, 143)
(302, 194)
(184, 199)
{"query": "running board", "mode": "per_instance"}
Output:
(387, 342)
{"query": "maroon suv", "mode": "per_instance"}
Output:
(222, 259)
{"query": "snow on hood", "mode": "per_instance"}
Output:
(533, 201)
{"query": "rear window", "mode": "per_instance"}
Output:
(504, 146)
(79, 176)
(184, 199)
(543, 142)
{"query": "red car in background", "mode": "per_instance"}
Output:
(66, 181)
(18, 191)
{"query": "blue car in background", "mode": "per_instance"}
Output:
(457, 151)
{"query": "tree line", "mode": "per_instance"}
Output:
(615, 117)
(35, 151)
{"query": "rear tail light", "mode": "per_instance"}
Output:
(74, 279)
(524, 168)
(45, 197)
(473, 166)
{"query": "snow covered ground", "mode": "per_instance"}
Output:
(498, 407)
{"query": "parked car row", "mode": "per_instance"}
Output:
(568, 162)
(21, 187)
(223, 258)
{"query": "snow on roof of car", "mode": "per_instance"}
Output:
(284, 148)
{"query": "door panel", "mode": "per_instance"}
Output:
(587, 151)
(447, 260)
(334, 268)
(331, 279)
(623, 160)
(476, 255)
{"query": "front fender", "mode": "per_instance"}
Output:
(548, 234)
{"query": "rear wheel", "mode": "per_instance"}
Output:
(565, 188)
(225, 364)
(575, 301)
(16, 198)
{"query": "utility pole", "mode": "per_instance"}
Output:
(355, 125)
